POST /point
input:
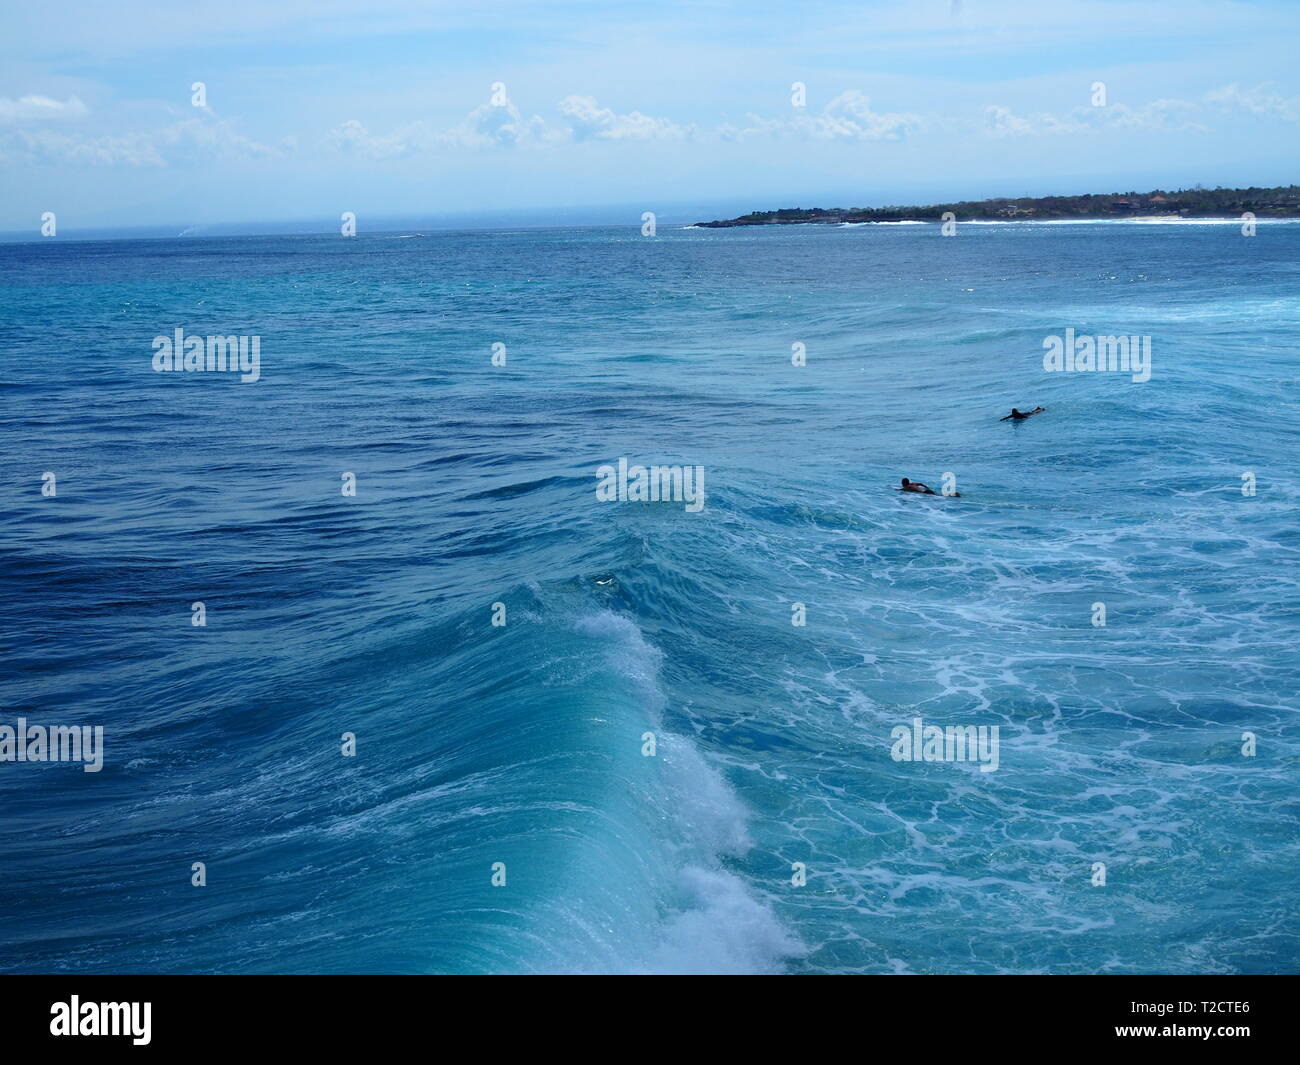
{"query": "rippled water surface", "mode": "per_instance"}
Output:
(522, 743)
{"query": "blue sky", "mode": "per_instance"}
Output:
(384, 107)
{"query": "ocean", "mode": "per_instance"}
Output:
(648, 764)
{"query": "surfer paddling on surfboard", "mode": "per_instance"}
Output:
(1021, 415)
(922, 489)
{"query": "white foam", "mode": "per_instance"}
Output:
(724, 929)
(714, 922)
(1140, 221)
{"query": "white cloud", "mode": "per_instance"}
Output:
(1261, 100)
(487, 126)
(48, 146)
(492, 124)
(504, 126)
(353, 138)
(40, 108)
(847, 117)
(588, 121)
(190, 141)
(1158, 114)
(1002, 122)
(1166, 114)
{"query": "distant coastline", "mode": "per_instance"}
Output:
(1157, 205)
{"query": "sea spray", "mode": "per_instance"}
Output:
(687, 825)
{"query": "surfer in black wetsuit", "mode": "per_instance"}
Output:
(1021, 415)
(917, 486)
(925, 489)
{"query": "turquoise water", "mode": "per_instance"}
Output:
(522, 743)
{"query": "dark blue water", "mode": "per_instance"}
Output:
(522, 743)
